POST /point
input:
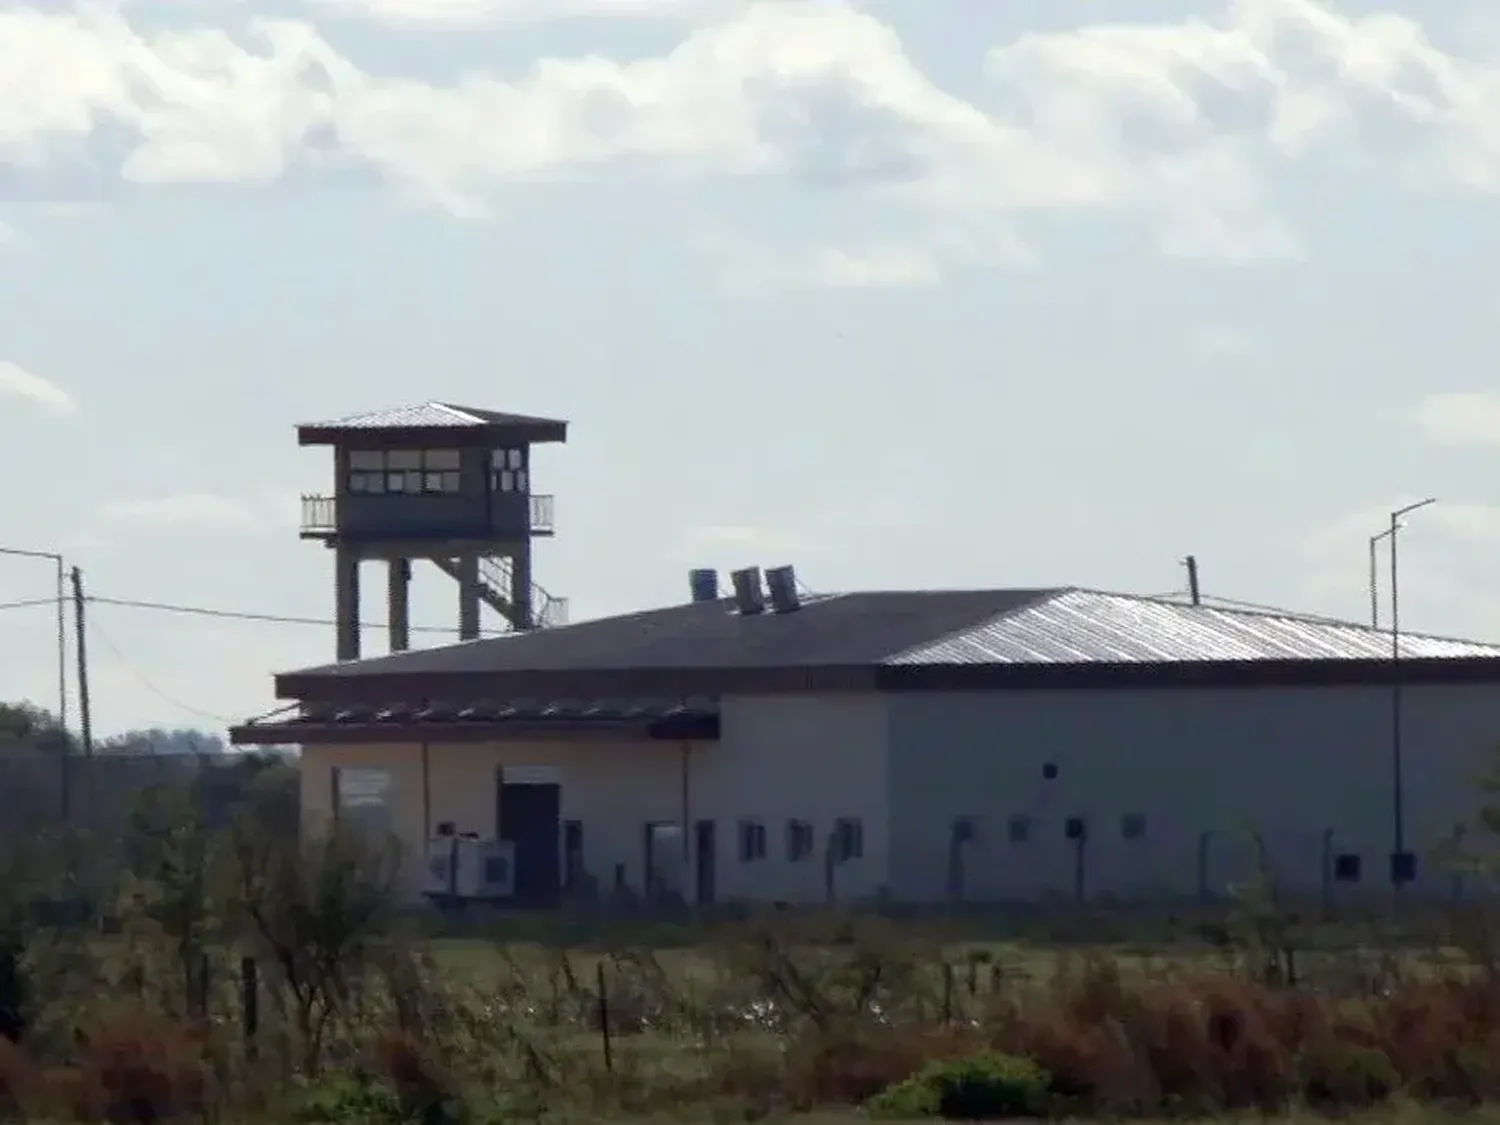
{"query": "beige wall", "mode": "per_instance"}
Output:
(812, 758)
(613, 788)
(809, 758)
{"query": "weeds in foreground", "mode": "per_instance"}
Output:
(347, 1021)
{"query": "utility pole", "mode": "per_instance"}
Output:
(1194, 594)
(85, 715)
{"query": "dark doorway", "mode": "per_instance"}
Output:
(706, 850)
(529, 817)
(573, 869)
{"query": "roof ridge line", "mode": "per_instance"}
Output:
(1251, 609)
(456, 411)
(1040, 596)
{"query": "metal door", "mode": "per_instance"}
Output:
(530, 818)
(706, 852)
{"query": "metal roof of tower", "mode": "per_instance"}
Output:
(431, 419)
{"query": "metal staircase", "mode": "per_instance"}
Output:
(497, 580)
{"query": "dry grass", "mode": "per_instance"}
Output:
(781, 1017)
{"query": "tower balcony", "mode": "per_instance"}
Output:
(541, 514)
(320, 516)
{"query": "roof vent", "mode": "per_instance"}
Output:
(781, 581)
(704, 584)
(749, 593)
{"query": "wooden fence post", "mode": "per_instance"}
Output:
(609, 1060)
(250, 1005)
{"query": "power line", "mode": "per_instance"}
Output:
(29, 603)
(140, 678)
(243, 615)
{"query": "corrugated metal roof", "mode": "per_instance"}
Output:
(428, 415)
(840, 629)
(1088, 626)
(926, 627)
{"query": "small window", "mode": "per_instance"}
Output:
(432, 482)
(799, 840)
(507, 481)
(451, 482)
(520, 482)
(375, 483)
(442, 459)
(395, 482)
(359, 482)
(1019, 829)
(752, 841)
(365, 460)
(1403, 868)
(513, 461)
(1133, 826)
(1074, 828)
(403, 459)
(849, 838)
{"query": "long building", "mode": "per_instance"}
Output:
(920, 746)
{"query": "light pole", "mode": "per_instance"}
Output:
(62, 625)
(1375, 541)
(1403, 864)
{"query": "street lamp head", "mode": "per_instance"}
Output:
(1399, 512)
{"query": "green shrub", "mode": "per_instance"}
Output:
(1346, 1076)
(350, 1098)
(981, 1087)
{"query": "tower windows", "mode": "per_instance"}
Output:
(405, 472)
(508, 470)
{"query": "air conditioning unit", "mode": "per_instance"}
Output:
(466, 868)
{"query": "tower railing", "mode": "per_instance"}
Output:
(319, 514)
(541, 513)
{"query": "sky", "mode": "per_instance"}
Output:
(939, 294)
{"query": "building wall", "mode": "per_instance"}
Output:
(804, 757)
(613, 788)
(1294, 764)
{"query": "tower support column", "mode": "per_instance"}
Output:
(346, 599)
(468, 596)
(398, 604)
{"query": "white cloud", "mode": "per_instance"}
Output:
(1181, 123)
(746, 268)
(488, 13)
(18, 383)
(1461, 418)
(919, 261)
(189, 510)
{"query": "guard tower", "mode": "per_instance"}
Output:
(445, 483)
